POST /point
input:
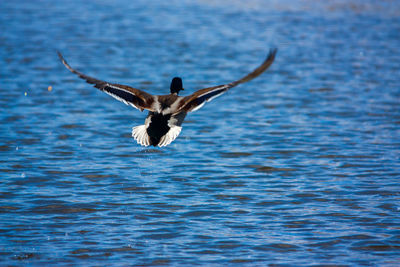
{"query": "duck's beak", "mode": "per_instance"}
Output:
(183, 89)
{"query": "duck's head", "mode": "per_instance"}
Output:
(176, 85)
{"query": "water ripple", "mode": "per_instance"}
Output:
(298, 167)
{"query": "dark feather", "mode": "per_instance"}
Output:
(197, 99)
(129, 95)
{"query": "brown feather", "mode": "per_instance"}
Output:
(189, 103)
(136, 97)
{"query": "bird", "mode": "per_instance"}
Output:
(165, 112)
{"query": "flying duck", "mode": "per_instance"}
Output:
(166, 112)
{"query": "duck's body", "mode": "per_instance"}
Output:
(166, 112)
(160, 128)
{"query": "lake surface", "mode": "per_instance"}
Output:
(298, 167)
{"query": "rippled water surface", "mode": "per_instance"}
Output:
(297, 167)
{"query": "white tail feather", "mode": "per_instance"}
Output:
(140, 135)
(142, 138)
(170, 136)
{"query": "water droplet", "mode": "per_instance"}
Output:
(23, 175)
(26, 94)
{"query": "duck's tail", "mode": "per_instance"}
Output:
(142, 138)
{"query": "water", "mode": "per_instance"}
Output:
(298, 167)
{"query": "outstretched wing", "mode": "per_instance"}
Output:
(196, 100)
(130, 96)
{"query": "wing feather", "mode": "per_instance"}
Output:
(126, 94)
(196, 100)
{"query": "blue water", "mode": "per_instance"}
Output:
(298, 167)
